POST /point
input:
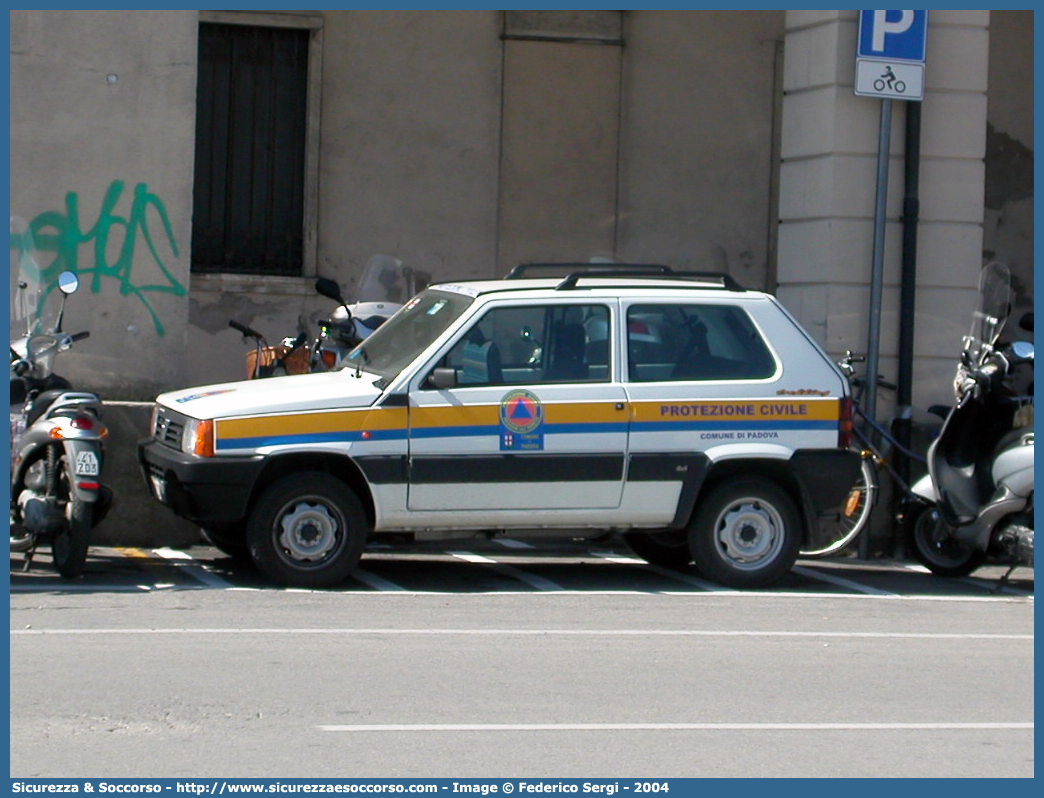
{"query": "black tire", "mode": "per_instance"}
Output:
(929, 538)
(230, 540)
(745, 533)
(668, 549)
(69, 544)
(308, 530)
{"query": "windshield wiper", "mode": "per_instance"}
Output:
(359, 364)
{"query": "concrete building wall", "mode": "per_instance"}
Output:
(463, 142)
(408, 160)
(828, 186)
(1008, 232)
(102, 140)
(697, 166)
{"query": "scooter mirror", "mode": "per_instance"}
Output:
(1026, 322)
(330, 289)
(68, 282)
(1023, 350)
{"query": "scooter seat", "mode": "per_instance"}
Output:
(41, 402)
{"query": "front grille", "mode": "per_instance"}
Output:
(169, 428)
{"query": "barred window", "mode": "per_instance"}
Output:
(248, 205)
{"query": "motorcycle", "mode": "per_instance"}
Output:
(977, 499)
(384, 286)
(57, 437)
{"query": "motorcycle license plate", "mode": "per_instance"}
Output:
(87, 464)
(159, 487)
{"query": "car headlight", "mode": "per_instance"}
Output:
(198, 437)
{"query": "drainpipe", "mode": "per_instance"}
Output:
(908, 285)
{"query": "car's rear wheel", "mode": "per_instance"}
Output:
(308, 530)
(745, 533)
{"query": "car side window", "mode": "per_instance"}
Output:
(682, 342)
(533, 344)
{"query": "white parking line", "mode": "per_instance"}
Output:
(197, 572)
(376, 582)
(840, 581)
(967, 580)
(637, 633)
(510, 543)
(531, 727)
(710, 587)
(535, 581)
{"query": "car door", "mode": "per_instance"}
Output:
(534, 420)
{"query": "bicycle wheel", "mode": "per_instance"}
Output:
(839, 530)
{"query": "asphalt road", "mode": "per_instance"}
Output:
(497, 661)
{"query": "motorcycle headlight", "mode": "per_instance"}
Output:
(198, 437)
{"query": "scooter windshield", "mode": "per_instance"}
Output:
(991, 312)
(35, 300)
(385, 279)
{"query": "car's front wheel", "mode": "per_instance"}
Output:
(308, 530)
(668, 549)
(229, 539)
(745, 533)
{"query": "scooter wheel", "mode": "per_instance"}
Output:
(69, 544)
(932, 542)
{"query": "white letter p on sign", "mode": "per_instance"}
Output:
(883, 26)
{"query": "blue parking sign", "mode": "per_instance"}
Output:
(893, 35)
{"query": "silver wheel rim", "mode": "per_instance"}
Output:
(309, 531)
(749, 533)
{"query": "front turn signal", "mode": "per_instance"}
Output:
(199, 438)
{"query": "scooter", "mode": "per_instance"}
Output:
(976, 502)
(385, 285)
(57, 444)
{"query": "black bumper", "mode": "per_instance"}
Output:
(207, 490)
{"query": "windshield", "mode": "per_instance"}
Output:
(991, 312)
(35, 300)
(399, 341)
(384, 280)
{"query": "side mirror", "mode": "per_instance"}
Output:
(443, 378)
(68, 282)
(1023, 350)
(329, 289)
(1026, 322)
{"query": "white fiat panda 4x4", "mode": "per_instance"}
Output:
(696, 418)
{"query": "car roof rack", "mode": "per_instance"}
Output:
(522, 271)
(656, 272)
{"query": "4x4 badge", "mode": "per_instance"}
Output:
(521, 416)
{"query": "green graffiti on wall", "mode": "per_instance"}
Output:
(63, 235)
